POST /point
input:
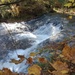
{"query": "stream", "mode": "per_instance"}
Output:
(25, 37)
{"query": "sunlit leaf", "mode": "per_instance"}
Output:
(34, 70)
(32, 54)
(71, 1)
(64, 71)
(68, 5)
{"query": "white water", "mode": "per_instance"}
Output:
(46, 31)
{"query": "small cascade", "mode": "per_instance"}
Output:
(28, 36)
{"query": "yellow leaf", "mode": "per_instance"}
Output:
(71, 1)
(34, 70)
(68, 5)
(70, 17)
(32, 54)
(64, 71)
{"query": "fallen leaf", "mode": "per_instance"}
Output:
(21, 56)
(42, 60)
(61, 68)
(18, 61)
(29, 60)
(72, 54)
(6, 71)
(64, 71)
(34, 70)
(32, 54)
(69, 53)
(58, 65)
(66, 51)
(58, 73)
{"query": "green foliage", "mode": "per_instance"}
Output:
(70, 3)
(31, 7)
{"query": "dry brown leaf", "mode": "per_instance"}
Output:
(21, 56)
(60, 68)
(34, 70)
(58, 65)
(69, 53)
(15, 61)
(66, 51)
(6, 71)
(58, 73)
(42, 60)
(29, 60)
(18, 61)
(72, 54)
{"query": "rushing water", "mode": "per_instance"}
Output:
(27, 36)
